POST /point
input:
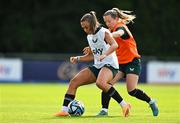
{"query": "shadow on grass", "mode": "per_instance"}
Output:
(81, 117)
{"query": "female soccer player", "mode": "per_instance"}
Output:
(105, 64)
(128, 58)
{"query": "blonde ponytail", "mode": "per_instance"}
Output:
(125, 15)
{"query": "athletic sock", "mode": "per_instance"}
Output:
(64, 109)
(114, 94)
(123, 103)
(105, 98)
(67, 99)
(104, 109)
(140, 95)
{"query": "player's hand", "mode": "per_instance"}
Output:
(73, 60)
(86, 51)
(101, 57)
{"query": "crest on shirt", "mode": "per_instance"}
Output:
(94, 40)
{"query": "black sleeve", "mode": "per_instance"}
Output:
(125, 35)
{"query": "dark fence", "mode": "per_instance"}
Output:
(57, 68)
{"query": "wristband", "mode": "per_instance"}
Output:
(78, 58)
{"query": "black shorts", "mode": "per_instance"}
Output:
(95, 70)
(133, 67)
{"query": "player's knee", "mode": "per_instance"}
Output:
(133, 92)
(100, 85)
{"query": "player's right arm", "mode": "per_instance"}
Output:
(122, 32)
(118, 33)
(84, 58)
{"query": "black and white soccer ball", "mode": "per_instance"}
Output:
(76, 108)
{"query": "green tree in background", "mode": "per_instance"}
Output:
(157, 27)
(52, 26)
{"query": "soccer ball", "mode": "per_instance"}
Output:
(76, 108)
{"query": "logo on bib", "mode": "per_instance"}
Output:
(131, 69)
(94, 41)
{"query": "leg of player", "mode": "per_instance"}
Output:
(84, 77)
(105, 76)
(105, 98)
(132, 80)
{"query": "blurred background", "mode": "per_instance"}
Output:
(37, 37)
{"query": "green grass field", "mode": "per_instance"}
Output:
(36, 103)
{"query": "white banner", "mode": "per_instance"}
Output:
(163, 72)
(10, 70)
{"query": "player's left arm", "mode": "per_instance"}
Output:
(113, 45)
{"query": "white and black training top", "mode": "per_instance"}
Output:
(98, 46)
